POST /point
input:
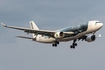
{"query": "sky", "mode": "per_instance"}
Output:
(22, 54)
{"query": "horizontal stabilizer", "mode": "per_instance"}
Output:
(24, 37)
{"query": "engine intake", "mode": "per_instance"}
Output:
(59, 35)
(90, 38)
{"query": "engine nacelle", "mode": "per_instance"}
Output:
(59, 35)
(90, 38)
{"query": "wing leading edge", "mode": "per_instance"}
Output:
(42, 32)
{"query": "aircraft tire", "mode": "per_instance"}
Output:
(57, 42)
(76, 44)
(72, 46)
(55, 45)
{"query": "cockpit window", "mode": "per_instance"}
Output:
(98, 22)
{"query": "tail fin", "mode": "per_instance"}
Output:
(33, 26)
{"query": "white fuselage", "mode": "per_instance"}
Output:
(93, 26)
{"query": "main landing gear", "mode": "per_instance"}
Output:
(55, 43)
(73, 44)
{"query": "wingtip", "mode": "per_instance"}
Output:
(100, 35)
(3, 24)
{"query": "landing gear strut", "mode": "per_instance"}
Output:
(73, 44)
(55, 43)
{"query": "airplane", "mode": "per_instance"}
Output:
(85, 31)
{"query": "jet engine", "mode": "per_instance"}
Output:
(59, 35)
(90, 38)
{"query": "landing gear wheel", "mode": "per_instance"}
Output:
(57, 42)
(72, 46)
(75, 44)
(54, 45)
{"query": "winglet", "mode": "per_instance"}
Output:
(3, 25)
(99, 36)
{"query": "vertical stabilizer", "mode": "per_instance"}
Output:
(33, 26)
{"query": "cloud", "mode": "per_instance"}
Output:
(13, 11)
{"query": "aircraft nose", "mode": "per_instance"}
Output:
(100, 25)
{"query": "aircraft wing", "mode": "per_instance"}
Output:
(25, 37)
(42, 32)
